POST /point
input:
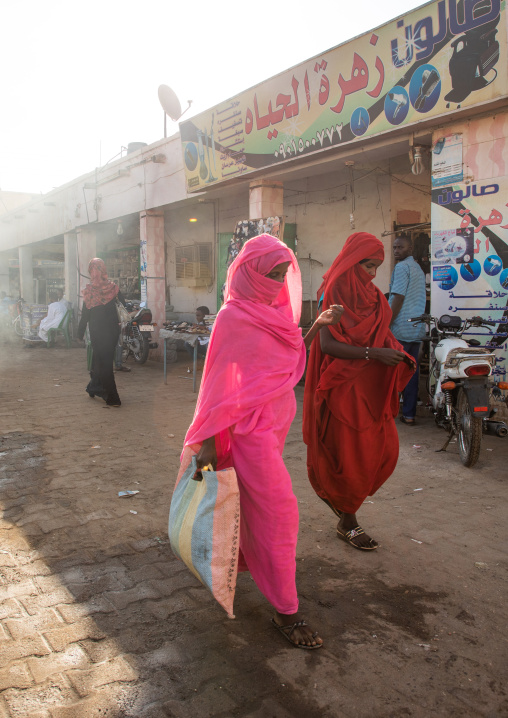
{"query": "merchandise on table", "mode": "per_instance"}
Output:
(30, 319)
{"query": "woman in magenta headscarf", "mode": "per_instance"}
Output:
(245, 407)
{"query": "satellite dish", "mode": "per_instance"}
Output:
(171, 104)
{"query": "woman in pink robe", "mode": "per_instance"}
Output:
(245, 407)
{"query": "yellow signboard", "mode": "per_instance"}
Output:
(442, 56)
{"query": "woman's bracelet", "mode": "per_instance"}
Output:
(367, 353)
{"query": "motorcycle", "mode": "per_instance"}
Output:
(460, 382)
(137, 333)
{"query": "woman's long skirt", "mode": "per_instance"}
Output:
(268, 506)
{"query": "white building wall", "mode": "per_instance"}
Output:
(131, 184)
(409, 192)
(321, 206)
(213, 218)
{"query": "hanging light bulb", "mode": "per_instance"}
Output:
(119, 229)
(417, 165)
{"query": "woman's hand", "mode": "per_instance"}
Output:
(207, 454)
(390, 357)
(331, 316)
(410, 362)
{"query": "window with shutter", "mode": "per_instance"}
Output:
(194, 261)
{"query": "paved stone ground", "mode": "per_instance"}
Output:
(97, 617)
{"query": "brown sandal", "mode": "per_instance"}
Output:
(348, 537)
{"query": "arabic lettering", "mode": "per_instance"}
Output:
(505, 226)
(424, 45)
(324, 90)
(486, 189)
(226, 119)
(229, 107)
(249, 121)
(466, 219)
(422, 41)
(495, 217)
(358, 81)
(324, 86)
(284, 108)
(499, 370)
(470, 22)
(381, 69)
(471, 296)
(447, 197)
(307, 89)
(491, 307)
(229, 127)
(459, 195)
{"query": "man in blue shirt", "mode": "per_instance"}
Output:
(407, 299)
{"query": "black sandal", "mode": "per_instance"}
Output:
(288, 630)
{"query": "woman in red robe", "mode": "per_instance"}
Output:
(354, 377)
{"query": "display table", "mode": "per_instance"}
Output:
(192, 338)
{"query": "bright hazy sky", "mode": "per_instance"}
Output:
(80, 80)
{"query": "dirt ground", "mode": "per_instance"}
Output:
(98, 618)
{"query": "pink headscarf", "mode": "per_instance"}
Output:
(256, 352)
(101, 290)
(247, 276)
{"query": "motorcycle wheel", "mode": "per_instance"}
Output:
(469, 431)
(140, 349)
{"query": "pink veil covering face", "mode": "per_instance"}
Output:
(256, 352)
(247, 276)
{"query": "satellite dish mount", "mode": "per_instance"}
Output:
(171, 105)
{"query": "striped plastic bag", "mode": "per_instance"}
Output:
(204, 527)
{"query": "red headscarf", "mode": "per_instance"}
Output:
(367, 314)
(364, 391)
(101, 290)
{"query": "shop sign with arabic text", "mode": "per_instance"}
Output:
(470, 257)
(444, 55)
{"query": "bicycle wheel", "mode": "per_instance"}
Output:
(17, 326)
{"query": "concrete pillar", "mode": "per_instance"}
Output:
(26, 274)
(86, 246)
(266, 199)
(4, 275)
(71, 272)
(153, 268)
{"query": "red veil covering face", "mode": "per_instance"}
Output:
(101, 290)
(349, 404)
